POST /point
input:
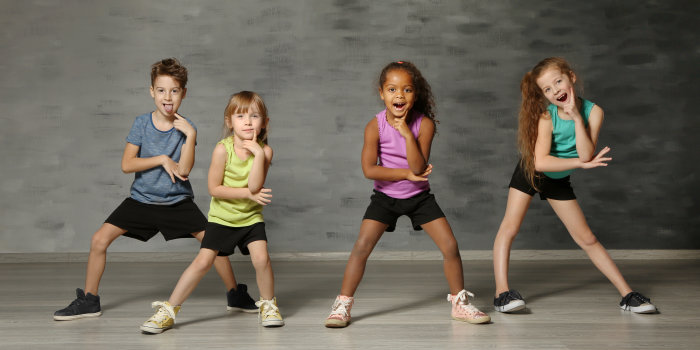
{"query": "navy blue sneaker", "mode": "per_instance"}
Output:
(239, 299)
(509, 301)
(637, 303)
(83, 306)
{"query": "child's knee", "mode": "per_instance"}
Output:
(99, 242)
(587, 240)
(260, 261)
(450, 249)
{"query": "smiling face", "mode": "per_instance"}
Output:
(246, 124)
(167, 95)
(556, 86)
(398, 93)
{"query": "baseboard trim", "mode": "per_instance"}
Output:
(573, 254)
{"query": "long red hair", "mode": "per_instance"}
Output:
(532, 108)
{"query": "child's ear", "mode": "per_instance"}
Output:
(153, 93)
(572, 76)
(380, 93)
(227, 121)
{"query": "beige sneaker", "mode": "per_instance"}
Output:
(269, 314)
(163, 319)
(462, 310)
(340, 312)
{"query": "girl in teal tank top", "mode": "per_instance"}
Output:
(236, 177)
(557, 133)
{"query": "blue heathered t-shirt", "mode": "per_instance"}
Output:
(153, 186)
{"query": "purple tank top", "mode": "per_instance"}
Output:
(392, 154)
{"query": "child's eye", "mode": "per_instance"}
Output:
(391, 89)
(408, 90)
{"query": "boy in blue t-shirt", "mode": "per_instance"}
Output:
(160, 151)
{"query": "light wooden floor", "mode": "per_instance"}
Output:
(399, 305)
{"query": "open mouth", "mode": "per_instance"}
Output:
(168, 108)
(399, 105)
(563, 97)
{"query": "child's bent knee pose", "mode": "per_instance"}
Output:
(557, 133)
(395, 155)
(236, 177)
(160, 152)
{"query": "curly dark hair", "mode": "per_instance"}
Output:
(424, 95)
(170, 67)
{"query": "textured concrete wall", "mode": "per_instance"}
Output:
(74, 74)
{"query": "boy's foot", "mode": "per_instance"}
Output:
(637, 303)
(509, 301)
(269, 314)
(240, 300)
(83, 306)
(464, 311)
(340, 312)
(163, 319)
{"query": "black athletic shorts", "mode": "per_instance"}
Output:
(226, 238)
(143, 221)
(421, 209)
(559, 189)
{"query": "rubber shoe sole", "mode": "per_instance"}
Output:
(76, 317)
(333, 323)
(513, 306)
(642, 309)
(483, 319)
(152, 330)
(235, 308)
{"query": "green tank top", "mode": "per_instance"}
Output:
(564, 136)
(235, 212)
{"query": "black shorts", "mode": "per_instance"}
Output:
(421, 209)
(143, 221)
(226, 238)
(559, 189)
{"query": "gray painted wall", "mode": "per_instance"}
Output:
(75, 74)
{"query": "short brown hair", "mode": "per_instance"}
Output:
(170, 67)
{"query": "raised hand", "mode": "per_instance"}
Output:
(422, 177)
(172, 168)
(183, 125)
(570, 105)
(262, 197)
(252, 145)
(401, 126)
(598, 160)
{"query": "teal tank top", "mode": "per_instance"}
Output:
(564, 136)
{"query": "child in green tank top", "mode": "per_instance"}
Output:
(236, 177)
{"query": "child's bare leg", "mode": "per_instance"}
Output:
(192, 275)
(441, 233)
(370, 233)
(97, 259)
(222, 264)
(572, 216)
(263, 268)
(516, 208)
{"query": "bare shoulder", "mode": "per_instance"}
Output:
(268, 152)
(427, 126)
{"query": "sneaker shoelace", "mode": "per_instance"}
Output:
(268, 308)
(164, 310)
(640, 299)
(509, 296)
(461, 300)
(340, 307)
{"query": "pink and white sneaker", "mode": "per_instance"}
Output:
(340, 312)
(462, 310)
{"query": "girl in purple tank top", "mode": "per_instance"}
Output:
(395, 155)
